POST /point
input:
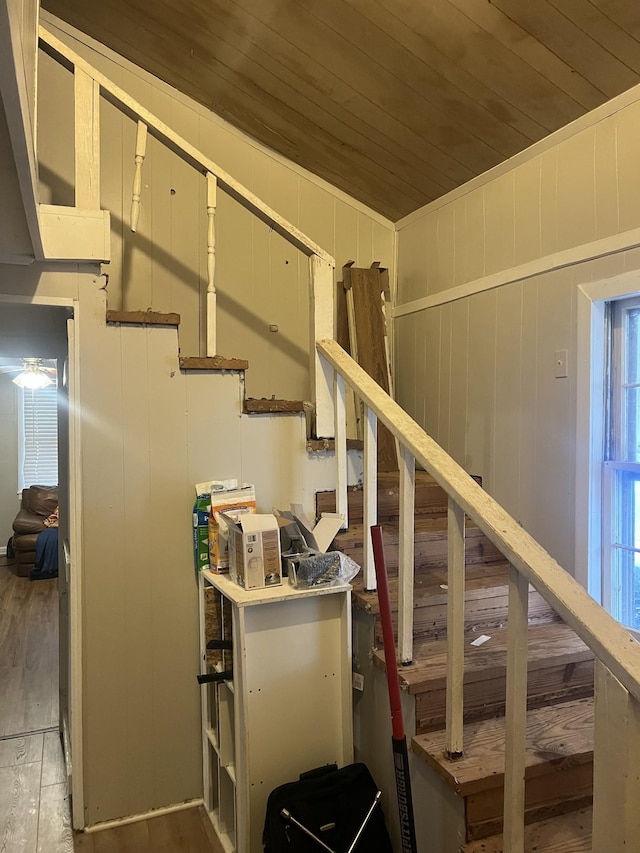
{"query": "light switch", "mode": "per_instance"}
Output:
(562, 370)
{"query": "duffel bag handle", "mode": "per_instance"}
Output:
(319, 771)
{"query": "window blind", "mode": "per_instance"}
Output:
(40, 437)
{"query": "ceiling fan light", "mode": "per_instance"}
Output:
(33, 380)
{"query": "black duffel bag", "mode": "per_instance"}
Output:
(326, 810)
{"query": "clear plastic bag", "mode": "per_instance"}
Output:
(316, 569)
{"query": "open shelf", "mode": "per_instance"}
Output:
(291, 664)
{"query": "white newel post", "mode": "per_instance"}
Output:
(321, 328)
(141, 150)
(516, 712)
(340, 427)
(616, 766)
(455, 629)
(212, 192)
(87, 141)
(405, 555)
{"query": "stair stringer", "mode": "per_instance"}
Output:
(439, 812)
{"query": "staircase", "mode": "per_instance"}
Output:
(559, 724)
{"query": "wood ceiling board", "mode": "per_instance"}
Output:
(327, 50)
(530, 50)
(543, 21)
(499, 66)
(389, 79)
(606, 32)
(392, 101)
(465, 87)
(293, 91)
(289, 63)
(251, 109)
(623, 13)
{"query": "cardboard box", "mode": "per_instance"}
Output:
(320, 535)
(232, 502)
(254, 550)
(201, 531)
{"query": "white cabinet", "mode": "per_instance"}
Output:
(286, 707)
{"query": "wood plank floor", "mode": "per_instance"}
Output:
(188, 831)
(34, 802)
(28, 653)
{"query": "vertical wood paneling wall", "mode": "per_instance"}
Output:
(478, 372)
(9, 502)
(261, 280)
(149, 433)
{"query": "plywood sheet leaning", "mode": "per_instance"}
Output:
(354, 425)
(366, 291)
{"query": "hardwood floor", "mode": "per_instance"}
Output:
(28, 653)
(180, 832)
(34, 809)
(34, 804)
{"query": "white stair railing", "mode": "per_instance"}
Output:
(616, 817)
(89, 85)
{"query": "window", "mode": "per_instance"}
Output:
(621, 477)
(38, 437)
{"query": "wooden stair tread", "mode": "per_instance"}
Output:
(430, 538)
(433, 526)
(550, 644)
(566, 833)
(556, 735)
(143, 318)
(430, 586)
(324, 445)
(429, 497)
(486, 600)
(214, 362)
(254, 406)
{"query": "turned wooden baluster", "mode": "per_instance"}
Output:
(141, 149)
(212, 191)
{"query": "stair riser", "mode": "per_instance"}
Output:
(560, 790)
(429, 499)
(485, 699)
(481, 616)
(430, 550)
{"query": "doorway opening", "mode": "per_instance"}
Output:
(34, 461)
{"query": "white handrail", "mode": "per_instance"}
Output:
(609, 641)
(617, 695)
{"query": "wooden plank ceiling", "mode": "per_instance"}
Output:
(394, 101)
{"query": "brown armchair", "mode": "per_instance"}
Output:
(38, 502)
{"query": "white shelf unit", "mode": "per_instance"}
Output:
(288, 707)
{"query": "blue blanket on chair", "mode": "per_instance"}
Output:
(46, 564)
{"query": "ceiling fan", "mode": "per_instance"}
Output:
(32, 373)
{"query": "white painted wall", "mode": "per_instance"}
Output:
(19, 236)
(9, 502)
(477, 367)
(261, 279)
(149, 432)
